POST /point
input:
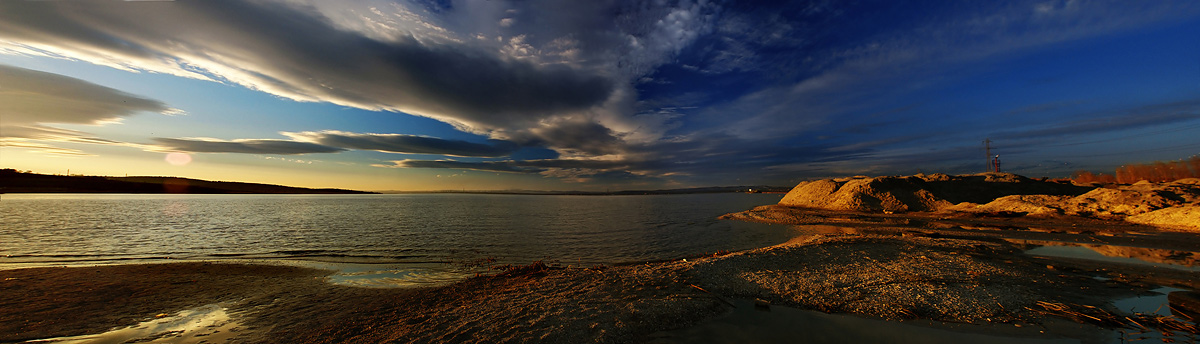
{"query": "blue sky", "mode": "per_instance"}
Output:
(429, 95)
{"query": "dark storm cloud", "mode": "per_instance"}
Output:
(490, 166)
(282, 147)
(296, 53)
(715, 158)
(577, 136)
(410, 144)
(515, 166)
(582, 58)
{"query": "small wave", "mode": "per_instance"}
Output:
(61, 255)
(299, 252)
(229, 255)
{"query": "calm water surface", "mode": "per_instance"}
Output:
(39, 229)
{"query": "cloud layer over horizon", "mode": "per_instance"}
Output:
(665, 91)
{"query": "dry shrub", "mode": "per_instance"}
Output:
(1156, 172)
(1084, 177)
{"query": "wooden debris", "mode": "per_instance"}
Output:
(1086, 314)
(714, 294)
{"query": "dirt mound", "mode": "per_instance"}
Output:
(918, 193)
(1184, 217)
(893, 194)
(1174, 204)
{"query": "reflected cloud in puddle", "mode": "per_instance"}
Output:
(1157, 303)
(392, 275)
(1173, 259)
(1149, 304)
(208, 323)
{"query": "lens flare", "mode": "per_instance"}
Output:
(178, 159)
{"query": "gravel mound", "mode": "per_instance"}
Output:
(1184, 217)
(1171, 205)
(919, 192)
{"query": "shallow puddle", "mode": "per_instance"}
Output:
(1172, 259)
(750, 324)
(392, 275)
(1148, 304)
(207, 324)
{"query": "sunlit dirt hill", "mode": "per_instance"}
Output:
(1168, 204)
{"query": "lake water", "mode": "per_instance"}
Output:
(58, 229)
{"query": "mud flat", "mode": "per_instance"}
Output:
(971, 272)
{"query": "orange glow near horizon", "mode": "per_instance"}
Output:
(253, 169)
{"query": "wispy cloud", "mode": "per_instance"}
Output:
(41, 147)
(491, 166)
(1093, 122)
(407, 144)
(557, 168)
(31, 97)
(282, 147)
(31, 102)
(842, 81)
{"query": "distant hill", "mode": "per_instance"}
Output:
(12, 181)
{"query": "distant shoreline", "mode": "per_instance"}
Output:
(12, 181)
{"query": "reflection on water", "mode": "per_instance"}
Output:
(392, 275)
(749, 324)
(1174, 259)
(204, 324)
(1155, 303)
(376, 229)
(1185, 304)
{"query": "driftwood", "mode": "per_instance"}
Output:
(1167, 324)
(714, 294)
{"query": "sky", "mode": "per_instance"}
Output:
(593, 95)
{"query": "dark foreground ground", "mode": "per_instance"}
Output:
(967, 271)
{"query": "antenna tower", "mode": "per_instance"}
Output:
(987, 146)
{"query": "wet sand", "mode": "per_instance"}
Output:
(59, 301)
(929, 270)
